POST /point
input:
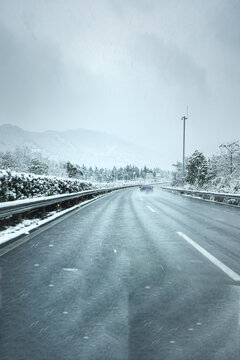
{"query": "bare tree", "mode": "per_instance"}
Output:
(230, 151)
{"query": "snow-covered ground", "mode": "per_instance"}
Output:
(221, 191)
(225, 185)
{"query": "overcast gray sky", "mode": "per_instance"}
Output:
(127, 67)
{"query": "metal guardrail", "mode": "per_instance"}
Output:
(203, 194)
(22, 206)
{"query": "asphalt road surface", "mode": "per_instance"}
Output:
(129, 277)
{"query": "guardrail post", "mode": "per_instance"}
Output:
(19, 218)
(43, 214)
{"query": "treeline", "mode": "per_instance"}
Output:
(127, 173)
(220, 170)
(28, 161)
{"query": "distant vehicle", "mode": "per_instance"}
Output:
(147, 188)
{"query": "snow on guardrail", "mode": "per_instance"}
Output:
(233, 199)
(10, 208)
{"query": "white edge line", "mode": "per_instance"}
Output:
(151, 209)
(234, 276)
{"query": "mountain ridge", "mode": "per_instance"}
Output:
(82, 146)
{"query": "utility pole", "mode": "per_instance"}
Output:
(184, 118)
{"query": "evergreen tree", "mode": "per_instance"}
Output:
(38, 167)
(73, 170)
(197, 169)
(8, 161)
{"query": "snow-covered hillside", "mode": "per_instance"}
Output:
(80, 146)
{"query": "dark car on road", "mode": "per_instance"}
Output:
(146, 188)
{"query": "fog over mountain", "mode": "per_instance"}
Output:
(81, 146)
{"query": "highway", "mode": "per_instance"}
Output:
(131, 276)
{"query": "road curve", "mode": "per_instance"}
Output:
(125, 279)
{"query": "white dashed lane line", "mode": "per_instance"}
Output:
(151, 209)
(70, 269)
(234, 276)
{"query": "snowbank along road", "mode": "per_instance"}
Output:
(131, 276)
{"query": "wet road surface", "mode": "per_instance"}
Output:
(126, 278)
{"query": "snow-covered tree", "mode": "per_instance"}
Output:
(177, 174)
(8, 161)
(73, 169)
(197, 169)
(38, 167)
(213, 167)
(24, 159)
(230, 153)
